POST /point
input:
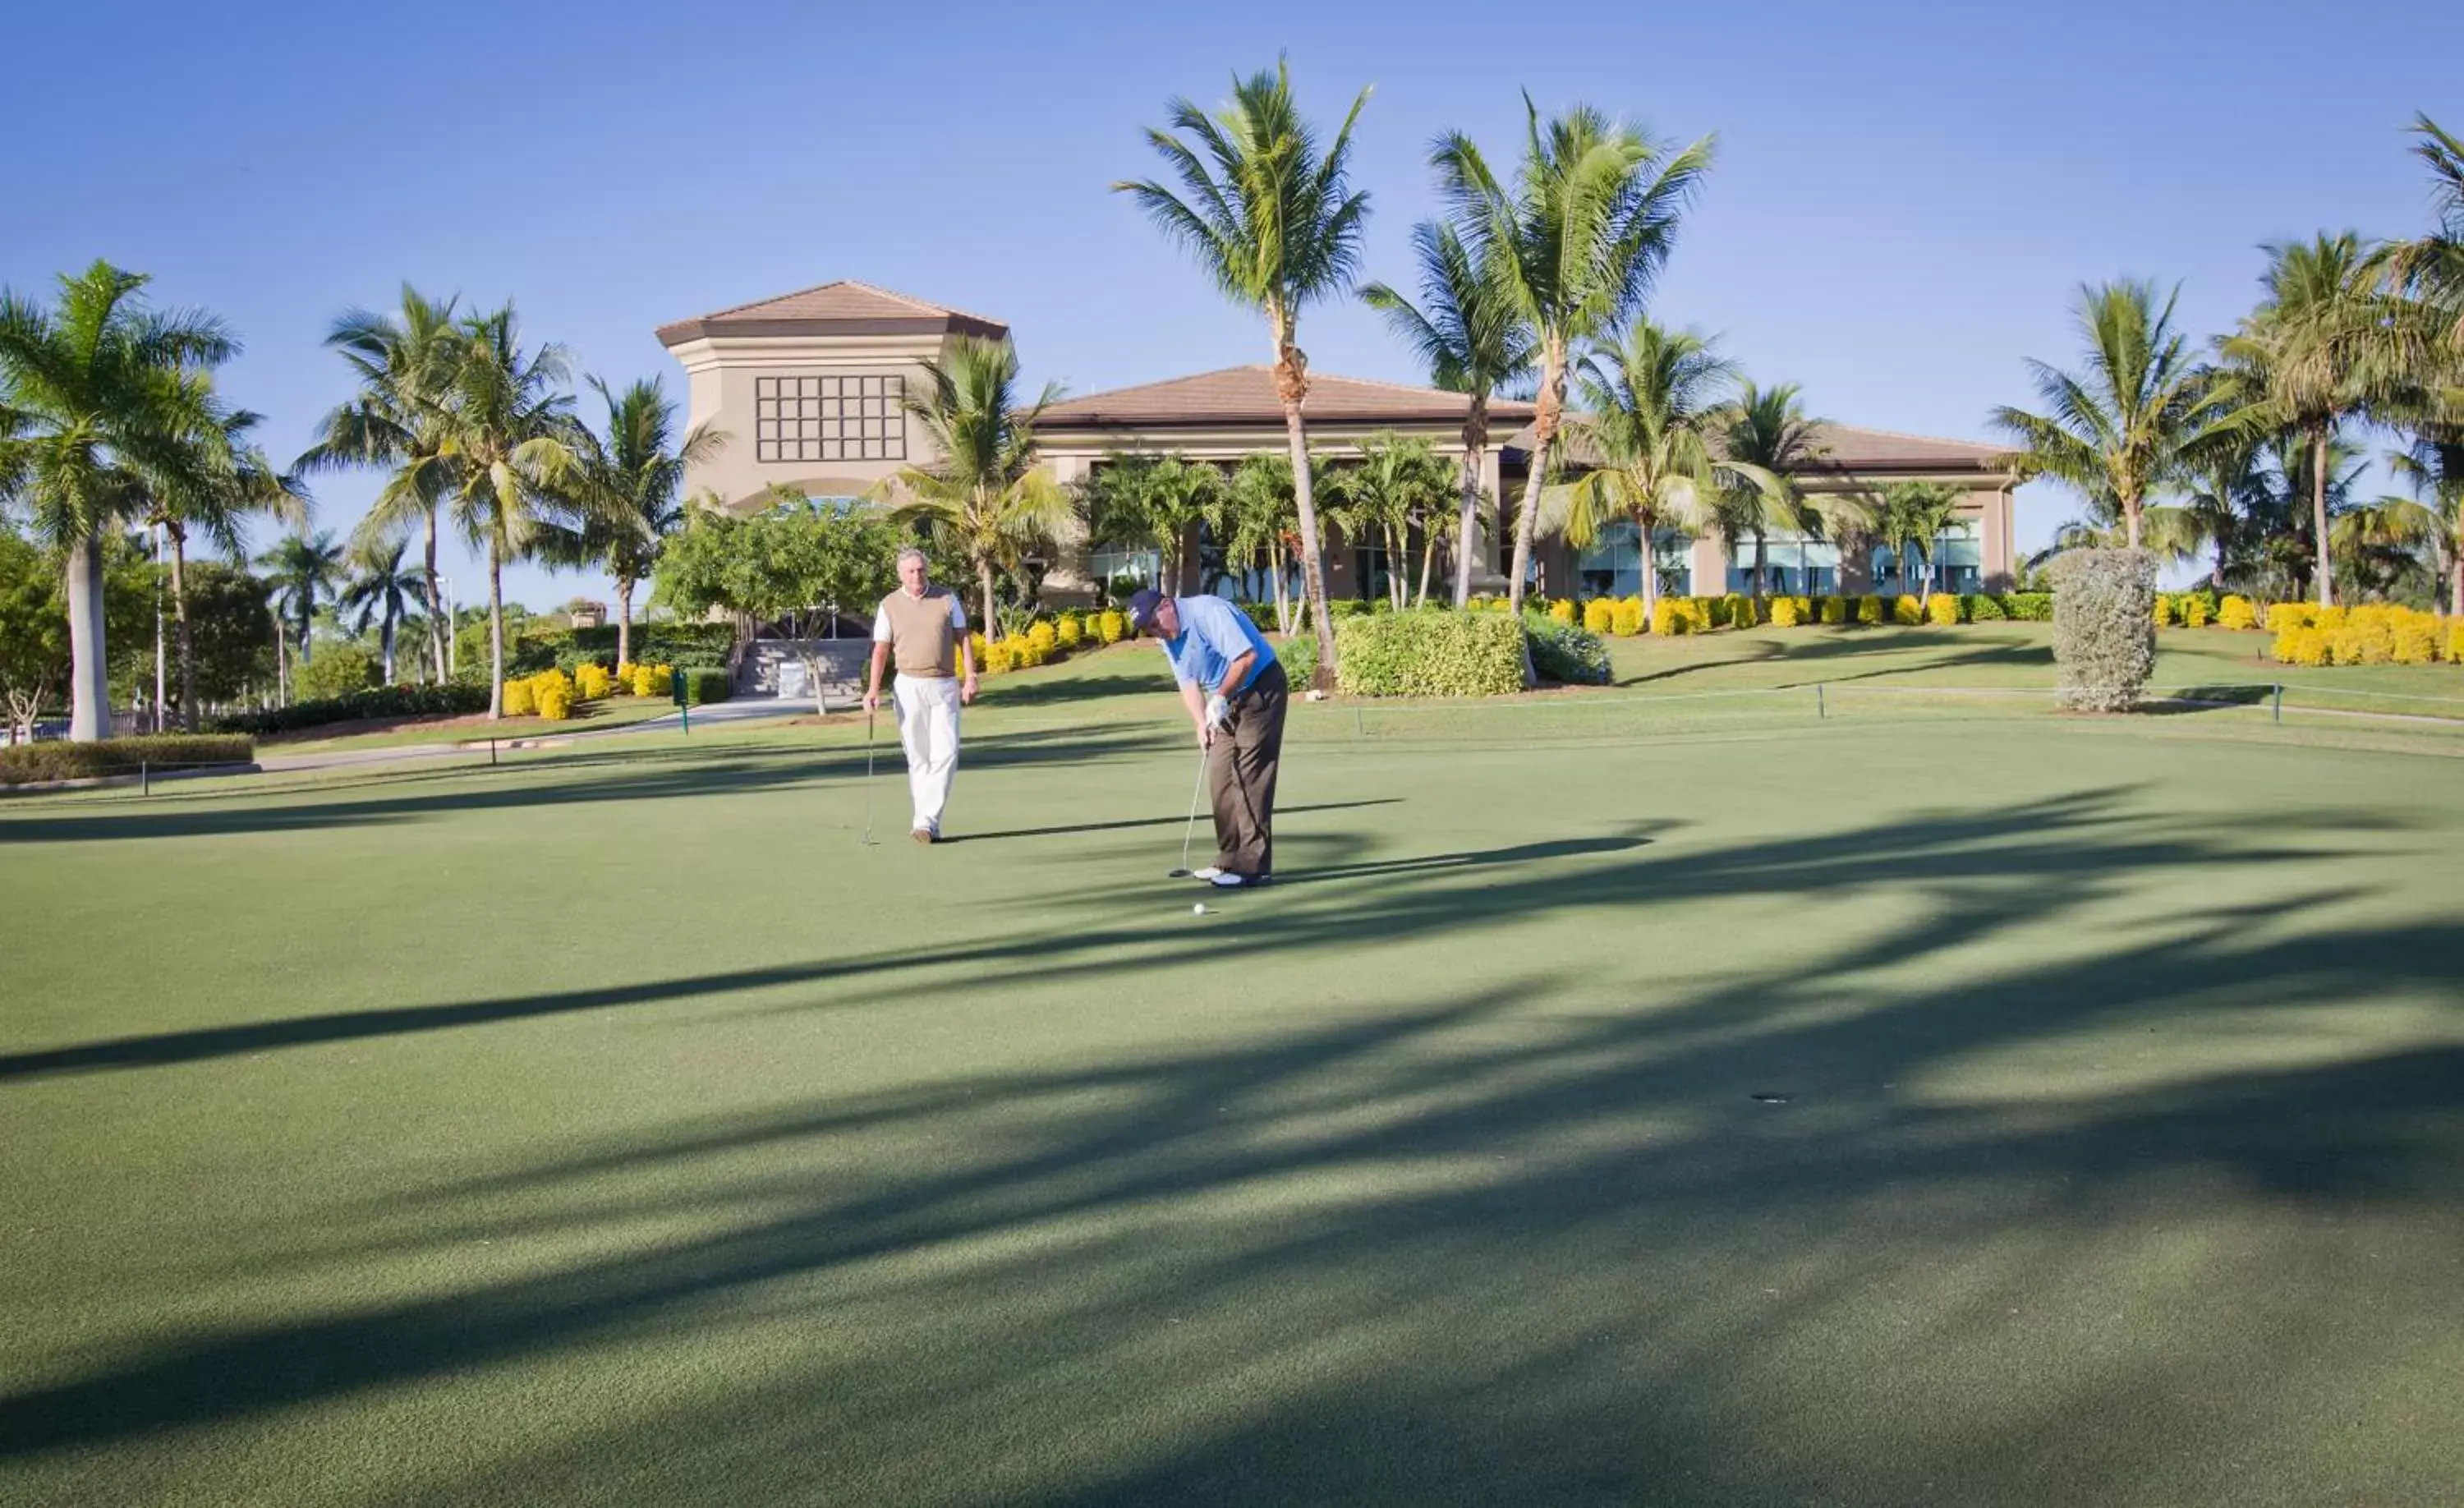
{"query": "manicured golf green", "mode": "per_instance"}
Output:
(1925, 1102)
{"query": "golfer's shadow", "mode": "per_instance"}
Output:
(1147, 821)
(1472, 859)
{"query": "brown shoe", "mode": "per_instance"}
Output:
(925, 836)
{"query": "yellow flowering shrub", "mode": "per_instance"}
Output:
(1626, 621)
(1111, 627)
(1871, 609)
(1668, 616)
(1785, 613)
(1737, 611)
(1834, 609)
(1906, 610)
(522, 699)
(555, 702)
(2282, 616)
(1562, 610)
(2194, 609)
(2330, 618)
(2456, 641)
(1046, 640)
(996, 657)
(2166, 616)
(654, 680)
(2237, 612)
(592, 682)
(2300, 645)
(1600, 616)
(1072, 631)
(2415, 639)
(1942, 608)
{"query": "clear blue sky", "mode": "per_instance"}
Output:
(1905, 195)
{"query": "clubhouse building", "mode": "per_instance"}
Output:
(809, 388)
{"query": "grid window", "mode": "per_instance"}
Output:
(829, 419)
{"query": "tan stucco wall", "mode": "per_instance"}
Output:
(720, 374)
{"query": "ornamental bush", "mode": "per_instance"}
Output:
(2284, 616)
(2030, 607)
(1982, 608)
(1070, 632)
(1787, 612)
(2197, 610)
(2163, 615)
(2237, 612)
(522, 698)
(1626, 621)
(336, 672)
(1906, 610)
(453, 699)
(1872, 610)
(1668, 616)
(1834, 609)
(1428, 652)
(2105, 628)
(2300, 645)
(592, 682)
(1112, 626)
(58, 760)
(1298, 656)
(1737, 610)
(1564, 653)
(1559, 609)
(1942, 609)
(555, 702)
(2415, 638)
(1046, 641)
(703, 684)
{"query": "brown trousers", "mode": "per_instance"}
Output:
(1240, 775)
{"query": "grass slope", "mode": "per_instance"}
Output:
(613, 1127)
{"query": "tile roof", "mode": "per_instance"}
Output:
(1852, 449)
(843, 307)
(1246, 395)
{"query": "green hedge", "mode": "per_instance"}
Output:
(1981, 608)
(704, 685)
(1298, 656)
(1432, 652)
(456, 699)
(58, 760)
(685, 646)
(2033, 607)
(1564, 653)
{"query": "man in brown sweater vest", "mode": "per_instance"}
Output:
(926, 628)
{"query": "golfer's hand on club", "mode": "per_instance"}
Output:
(967, 690)
(872, 701)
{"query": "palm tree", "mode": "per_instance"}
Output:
(1255, 518)
(1153, 500)
(1274, 222)
(2139, 419)
(2379, 541)
(104, 404)
(984, 496)
(2434, 469)
(1575, 246)
(399, 417)
(2431, 268)
(1396, 484)
(304, 570)
(2315, 352)
(1473, 340)
(380, 591)
(509, 435)
(1651, 409)
(1767, 428)
(215, 502)
(626, 488)
(1911, 516)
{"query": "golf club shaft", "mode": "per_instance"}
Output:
(1189, 828)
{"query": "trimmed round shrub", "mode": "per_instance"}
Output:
(2237, 612)
(522, 698)
(1906, 610)
(1600, 616)
(1737, 610)
(2282, 616)
(1668, 616)
(1626, 621)
(1834, 609)
(1559, 609)
(1872, 610)
(1942, 609)
(2163, 615)
(1982, 608)
(1564, 653)
(2105, 628)
(1112, 626)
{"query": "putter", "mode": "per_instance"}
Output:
(1191, 826)
(868, 777)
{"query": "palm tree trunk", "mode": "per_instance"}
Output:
(2129, 525)
(1761, 556)
(624, 620)
(1292, 386)
(1544, 428)
(188, 640)
(437, 627)
(281, 660)
(1468, 526)
(495, 630)
(1276, 568)
(2455, 584)
(89, 676)
(388, 636)
(985, 584)
(162, 653)
(1650, 572)
(2318, 518)
(1428, 559)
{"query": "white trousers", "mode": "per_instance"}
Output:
(928, 728)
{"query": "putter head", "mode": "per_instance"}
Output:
(1176, 874)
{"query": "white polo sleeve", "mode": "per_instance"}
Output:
(958, 614)
(881, 622)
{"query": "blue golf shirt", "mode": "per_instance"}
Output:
(1213, 634)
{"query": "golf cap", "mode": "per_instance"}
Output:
(1143, 603)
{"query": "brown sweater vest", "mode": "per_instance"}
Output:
(922, 643)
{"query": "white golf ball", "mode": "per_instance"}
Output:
(1200, 910)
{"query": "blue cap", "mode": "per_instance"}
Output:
(1143, 603)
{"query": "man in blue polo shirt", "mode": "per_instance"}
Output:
(1236, 693)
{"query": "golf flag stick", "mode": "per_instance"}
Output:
(1190, 827)
(867, 775)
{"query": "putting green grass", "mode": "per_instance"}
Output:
(1964, 1106)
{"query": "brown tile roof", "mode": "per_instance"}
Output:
(842, 308)
(1853, 449)
(1246, 395)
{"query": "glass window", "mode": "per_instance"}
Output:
(1144, 566)
(829, 419)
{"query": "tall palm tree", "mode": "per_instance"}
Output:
(1767, 428)
(105, 403)
(2435, 469)
(214, 503)
(2139, 417)
(1273, 220)
(982, 496)
(510, 438)
(1473, 339)
(2315, 352)
(2431, 268)
(1396, 484)
(626, 491)
(398, 419)
(1575, 244)
(381, 592)
(1256, 520)
(1153, 500)
(1652, 409)
(305, 571)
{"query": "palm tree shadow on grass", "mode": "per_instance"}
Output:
(1521, 1251)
